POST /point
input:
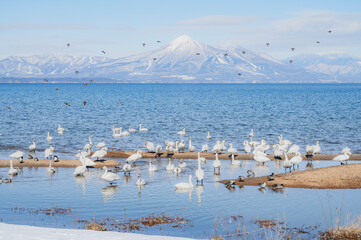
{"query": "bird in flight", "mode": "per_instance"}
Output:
(85, 103)
(267, 44)
(56, 88)
(293, 49)
(91, 81)
(158, 41)
(143, 44)
(46, 80)
(317, 41)
(239, 74)
(85, 84)
(291, 61)
(154, 58)
(225, 54)
(66, 103)
(76, 72)
(120, 102)
(329, 31)
(243, 52)
(103, 51)
(68, 44)
(8, 108)
(198, 53)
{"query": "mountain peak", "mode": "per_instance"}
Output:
(184, 43)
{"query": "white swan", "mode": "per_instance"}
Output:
(83, 157)
(260, 157)
(181, 146)
(135, 156)
(60, 130)
(199, 172)
(218, 147)
(296, 160)
(223, 148)
(152, 168)
(49, 138)
(109, 176)
(293, 149)
(217, 164)
(12, 171)
(124, 133)
(115, 132)
(247, 147)
(80, 170)
(284, 142)
(190, 147)
(251, 133)
(142, 129)
(235, 162)
(158, 149)
(131, 130)
(205, 148)
(317, 148)
(209, 136)
(89, 145)
(183, 133)
(170, 166)
(202, 159)
(287, 163)
(50, 169)
(101, 144)
(32, 147)
(127, 168)
(18, 155)
(184, 185)
(49, 152)
(177, 169)
(182, 164)
(343, 157)
(309, 149)
(149, 146)
(140, 180)
(100, 153)
(231, 149)
(346, 149)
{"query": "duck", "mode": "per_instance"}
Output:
(209, 136)
(50, 169)
(182, 164)
(55, 158)
(49, 138)
(60, 130)
(262, 185)
(100, 153)
(241, 178)
(231, 149)
(296, 160)
(317, 148)
(80, 170)
(271, 177)
(199, 172)
(135, 156)
(142, 129)
(182, 133)
(89, 145)
(140, 180)
(49, 152)
(205, 148)
(184, 185)
(190, 147)
(235, 162)
(109, 176)
(12, 171)
(32, 147)
(287, 163)
(152, 168)
(217, 164)
(277, 186)
(181, 146)
(101, 144)
(149, 146)
(202, 159)
(343, 157)
(127, 168)
(170, 166)
(131, 130)
(250, 173)
(247, 147)
(177, 169)
(293, 149)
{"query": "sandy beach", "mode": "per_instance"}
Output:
(69, 163)
(335, 177)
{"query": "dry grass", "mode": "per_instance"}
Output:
(53, 211)
(351, 230)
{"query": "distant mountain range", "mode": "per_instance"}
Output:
(184, 60)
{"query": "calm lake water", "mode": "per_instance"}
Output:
(302, 113)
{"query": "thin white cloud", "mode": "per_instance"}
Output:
(46, 27)
(217, 21)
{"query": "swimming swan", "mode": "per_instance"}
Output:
(184, 185)
(109, 176)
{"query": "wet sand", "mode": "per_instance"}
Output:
(211, 155)
(70, 163)
(335, 177)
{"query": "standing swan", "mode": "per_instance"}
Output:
(343, 157)
(296, 160)
(32, 147)
(109, 176)
(184, 185)
(89, 145)
(287, 163)
(49, 138)
(199, 173)
(209, 136)
(80, 170)
(190, 147)
(101, 144)
(217, 164)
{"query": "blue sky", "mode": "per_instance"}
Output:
(30, 27)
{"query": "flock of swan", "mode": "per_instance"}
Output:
(259, 150)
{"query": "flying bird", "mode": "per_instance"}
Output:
(329, 31)
(243, 52)
(154, 58)
(76, 72)
(239, 74)
(198, 53)
(293, 49)
(143, 44)
(120, 102)
(68, 44)
(291, 61)
(267, 44)
(8, 108)
(85, 84)
(225, 54)
(66, 103)
(56, 88)
(90, 81)
(46, 80)
(85, 103)
(158, 41)
(103, 51)
(317, 41)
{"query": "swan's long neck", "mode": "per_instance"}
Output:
(106, 169)
(190, 180)
(286, 158)
(190, 141)
(232, 157)
(90, 141)
(48, 134)
(217, 157)
(50, 164)
(281, 139)
(199, 164)
(11, 164)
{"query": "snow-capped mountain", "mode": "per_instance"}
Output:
(182, 60)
